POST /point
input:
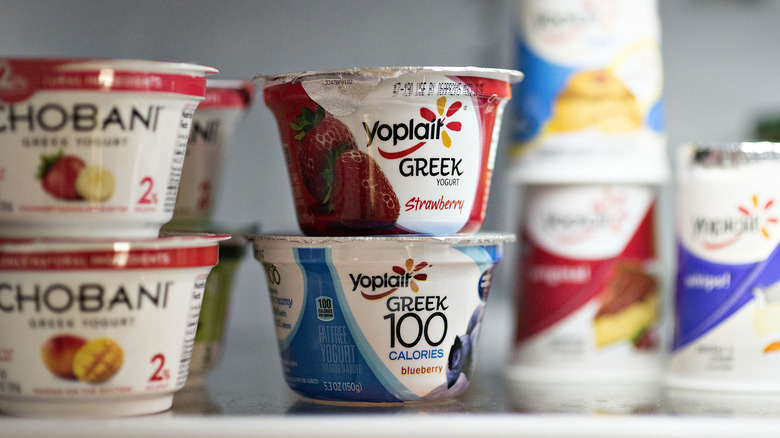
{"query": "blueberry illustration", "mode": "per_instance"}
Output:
(460, 358)
(483, 288)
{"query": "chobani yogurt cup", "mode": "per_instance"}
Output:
(589, 291)
(390, 150)
(378, 319)
(207, 351)
(99, 327)
(93, 147)
(727, 304)
(212, 128)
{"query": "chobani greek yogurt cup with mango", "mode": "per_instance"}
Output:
(381, 319)
(93, 147)
(390, 150)
(99, 328)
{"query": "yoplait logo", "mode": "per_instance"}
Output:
(571, 227)
(753, 219)
(404, 276)
(435, 125)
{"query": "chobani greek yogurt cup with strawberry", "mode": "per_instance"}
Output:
(390, 150)
(381, 319)
(93, 147)
(99, 328)
(212, 128)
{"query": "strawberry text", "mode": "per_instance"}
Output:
(417, 203)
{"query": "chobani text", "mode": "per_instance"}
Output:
(85, 297)
(80, 117)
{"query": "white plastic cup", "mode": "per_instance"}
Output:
(93, 147)
(589, 291)
(99, 328)
(726, 309)
(381, 319)
(213, 125)
(390, 150)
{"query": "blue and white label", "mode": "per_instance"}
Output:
(380, 331)
(727, 303)
(591, 102)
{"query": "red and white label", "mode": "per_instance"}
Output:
(579, 241)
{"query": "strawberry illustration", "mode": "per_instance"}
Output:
(323, 139)
(58, 173)
(362, 195)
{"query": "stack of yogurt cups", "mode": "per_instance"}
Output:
(98, 308)
(381, 299)
(589, 167)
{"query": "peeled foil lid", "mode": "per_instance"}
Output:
(728, 154)
(341, 92)
(476, 239)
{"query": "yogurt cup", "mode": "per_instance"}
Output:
(213, 126)
(727, 298)
(390, 150)
(589, 288)
(591, 106)
(207, 351)
(379, 319)
(93, 147)
(99, 328)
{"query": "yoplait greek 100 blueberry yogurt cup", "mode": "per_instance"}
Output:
(99, 327)
(390, 150)
(379, 319)
(93, 147)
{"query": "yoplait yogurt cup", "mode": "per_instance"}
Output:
(93, 147)
(589, 288)
(591, 107)
(390, 150)
(727, 297)
(99, 328)
(213, 125)
(378, 319)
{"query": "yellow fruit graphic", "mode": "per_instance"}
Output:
(98, 360)
(95, 183)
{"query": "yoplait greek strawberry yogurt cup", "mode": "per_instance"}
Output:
(99, 328)
(93, 147)
(390, 150)
(213, 125)
(379, 319)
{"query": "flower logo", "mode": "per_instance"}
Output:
(441, 106)
(411, 270)
(752, 219)
(760, 211)
(407, 275)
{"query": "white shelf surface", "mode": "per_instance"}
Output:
(246, 397)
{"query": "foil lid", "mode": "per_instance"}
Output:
(341, 92)
(729, 154)
(482, 238)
